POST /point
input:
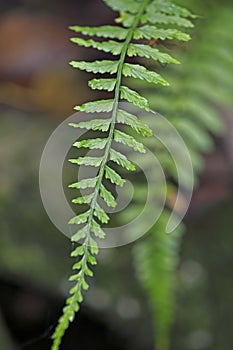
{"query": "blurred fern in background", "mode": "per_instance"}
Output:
(199, 88)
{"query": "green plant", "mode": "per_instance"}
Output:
(192, 104)
(139, 20)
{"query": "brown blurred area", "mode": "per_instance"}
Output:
(35, 51)
(33, 64)
(216, 179)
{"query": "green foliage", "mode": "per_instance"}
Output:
(200, 86)
(134, 97)
(139, 72)
(113, 176)
(85, 183)
(192, 104)
(107, 197)
(121, 159)
(156, 259)
(101, 67)
(94, 124)
(136, 124)
(142, 50)
(95, 107)
(150, 32)
(137, 20)
(98, 143)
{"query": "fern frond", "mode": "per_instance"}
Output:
(107, 197)
(111, 46)
(101, 215)
(136, 124)
(97, 143)
(94, 124)
(80, 219)
(204, 82)
(96, 106)
(102, 67)
(85, 183)
(134, 13)
(113, 176)
(131, 6)
(96, 230)
(197, 139)
(204, 114)
(88, 161)
(141, 50)
(150, 32)
(113, 32)
(165, 6)
(121, 159)
(134, 97)
(156, 259)
(102, 84)
(83, 200)
(161, 18)
(139, 72)
(128, 140)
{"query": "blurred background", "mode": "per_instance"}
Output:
(38, 90)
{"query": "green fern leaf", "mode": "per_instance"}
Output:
(85, 183)
(96, 106)
(88, 161)
(138, 125)
(121, 160)
(113, 176)
(107, 196)
(134, 97)
(88, 272)
(83, 200)
(128, 140)
(150, 32)
(102, 84)
(80, 219)
(142, 50)
(139, 72)
(104, 66)
(98, 143)
(97, 230)
(167, 7)
(126, 19)
(162, 18)
(80, 234)
(91, 259)
(107, 46)
(122, 5)
(94, 124)
(101, 215)
(77, 266)
(94, 249)
(113, 32)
